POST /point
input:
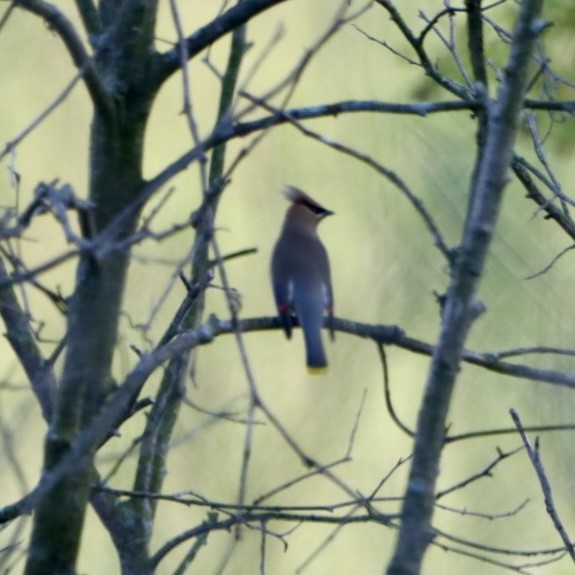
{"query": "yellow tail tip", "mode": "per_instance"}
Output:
(317, 370)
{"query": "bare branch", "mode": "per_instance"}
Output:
(22, 340)
(387, 394)
(236, 16)
(90, 19)
(535, 458)
(503, 118)
(475, 40)
(417, 44)
(523, 171)
(58, 22)
(483, 473)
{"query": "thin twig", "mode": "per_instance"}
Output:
(13, 143)
(485, 472)
(534, 456)
(387, 393)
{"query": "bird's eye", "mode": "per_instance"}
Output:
(317, 210)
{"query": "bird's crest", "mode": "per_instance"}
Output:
(297, 196)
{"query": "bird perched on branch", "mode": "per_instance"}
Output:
(301, 275)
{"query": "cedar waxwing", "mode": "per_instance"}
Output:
(301, 276)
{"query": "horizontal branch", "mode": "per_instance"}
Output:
(259, 518)
(386, 334)
(225, 132)
(413, 109)
(567, 106)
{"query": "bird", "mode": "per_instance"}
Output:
(301, 276)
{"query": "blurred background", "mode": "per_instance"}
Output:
(385, 270)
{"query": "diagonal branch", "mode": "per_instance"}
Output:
(236, 16)
(533, 452)
(521, 168)
(416, 44)
(58, 22)
(23, 342)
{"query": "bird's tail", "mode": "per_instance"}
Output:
(316, 360)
